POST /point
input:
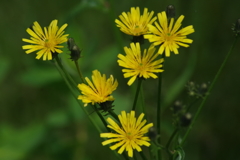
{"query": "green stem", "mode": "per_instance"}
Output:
(137, 93)
(79, 71)
(159, 110)
(143, 155)
(143, 101)
(101, 117)
(113, 114)
(125, 156)
(209, 91)
(134, 156)
(170, 141)
(63, 74)
(66, 74)
(192, 103)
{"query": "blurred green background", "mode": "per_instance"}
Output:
(39, 118)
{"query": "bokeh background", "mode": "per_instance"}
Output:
(39, 118)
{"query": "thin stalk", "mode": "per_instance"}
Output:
(143, 102)
(192, 103)
(66, 74)
(159, 110)
(209, 90)
(135, 157)
(101, 117)
(137, 93)
(113, 114)
(143, 156)
(125, 156)
(170, 141)
(63, 74)
(79, 71)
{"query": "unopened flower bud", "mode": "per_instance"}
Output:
(152, 133)
(75, 53)
(192, 84)
(186, 119)
(170, 11)
(70, 43)
(203, 89)
(237, 25)
(177, 106)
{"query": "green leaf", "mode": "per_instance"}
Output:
(179, 154)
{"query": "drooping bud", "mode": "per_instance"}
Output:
(170, 11)
(236, 27)
(152, 133)
(203, 89)
(70, 43)
(191, 88)
(75, 53)
(186, 119)
(177, 106)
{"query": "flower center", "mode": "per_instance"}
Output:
(168, 37)
(49, 44)
(129, 136)
(137, 29)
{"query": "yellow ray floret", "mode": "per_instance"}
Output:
(132, 23)
(169, 35)
(139, 64)
(46, 41)
(129, 135)
(99, 90)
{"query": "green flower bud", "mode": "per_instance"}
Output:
(70, 43)
(186, 119)
(75, 53)
(170, 11)
(152, 133)
(177, 106)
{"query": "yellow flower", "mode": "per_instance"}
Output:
(132, 23)
(128, 136)
(169, 36)
(138, 65)
(45, 41)
(99, 90)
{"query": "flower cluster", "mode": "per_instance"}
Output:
(129, 132)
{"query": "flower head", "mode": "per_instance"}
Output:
(46, 41)
(128, 136)
(139, 65)
(132, 23)
(169, 36)
(99, 90)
